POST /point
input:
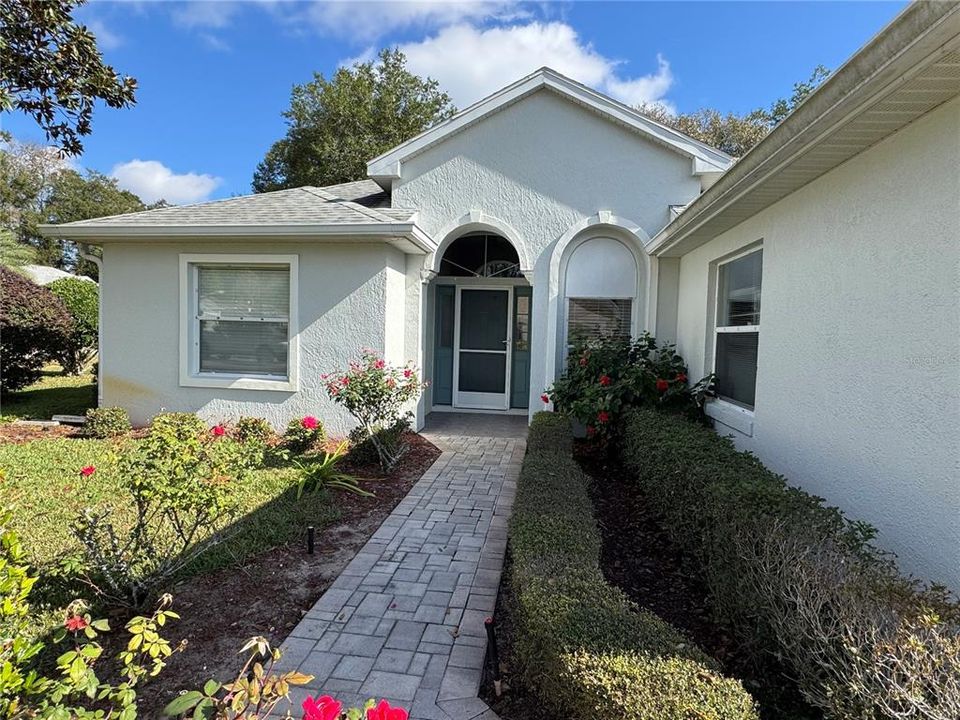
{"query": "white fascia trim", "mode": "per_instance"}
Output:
(191, 378)
(387, 167)
(374, 231)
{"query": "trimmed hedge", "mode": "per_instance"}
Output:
(797, 580)
(581, 643)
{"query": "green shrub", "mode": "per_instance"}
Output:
(253, 429)
(82, 300)
(581, 643)
(107, 422)
(34, 327)
(797, 580)
(181, 482)
(363, 447)
(302, 434)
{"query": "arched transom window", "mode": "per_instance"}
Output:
(481, 255)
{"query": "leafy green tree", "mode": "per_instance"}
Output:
(14, 253)
(334, 126)
(82, 300)
(51, 69)
(736, 134)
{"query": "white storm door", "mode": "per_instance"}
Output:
(481, 372)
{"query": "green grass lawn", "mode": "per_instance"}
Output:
(54, 394)
(45, 489)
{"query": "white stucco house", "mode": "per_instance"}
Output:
(477, 247)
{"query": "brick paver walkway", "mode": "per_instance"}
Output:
(404, 621)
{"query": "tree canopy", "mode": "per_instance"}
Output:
(52, 70)
(334, 126)
(37, 187)
(736, 134)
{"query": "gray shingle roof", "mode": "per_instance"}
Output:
(334, 205)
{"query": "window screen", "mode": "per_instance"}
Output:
(738, 328)
(242, 319)
(589, 318)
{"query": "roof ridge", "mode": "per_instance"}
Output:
(357, 207)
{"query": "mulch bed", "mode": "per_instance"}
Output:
(270, 594)
(14, 432)
(639, 558)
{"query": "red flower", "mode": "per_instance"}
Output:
(681, 377)
(309, 422)
(583, 361)
(75, 623)
(407, 372)
(662, 385)
(591, 431)
(379, 364)
(344, 380)
(545, 398)
(218, 430)
(603, 416)
(383, 711)
(88, 470)
(604, 379)
(323, 708)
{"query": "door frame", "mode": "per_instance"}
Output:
(508, 354)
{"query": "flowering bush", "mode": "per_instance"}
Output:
(259, 690)
(605, 377)
(375, 393)
(302, 434)
(253, 430)
(180, 481)
(26, 692)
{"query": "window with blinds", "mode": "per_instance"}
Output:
(593, 318)
(738, 328)
(242, 319)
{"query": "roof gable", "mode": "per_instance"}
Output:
(706, 160)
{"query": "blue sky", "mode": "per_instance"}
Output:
(215, 75)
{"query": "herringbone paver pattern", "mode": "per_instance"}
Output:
(404, 621)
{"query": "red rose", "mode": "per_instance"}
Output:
(75, 623)
(309, 422)
(603, 416)
(383, 711)
(591, 431)
(681, 377)
(379, 364)
(88, 470)
(218, 430)
(604, 379)
(662, 385)
(407, 373)
(545, 398)
(344, 380)
(322, 708)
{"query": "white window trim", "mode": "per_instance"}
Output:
(190, 348)
(725, 411)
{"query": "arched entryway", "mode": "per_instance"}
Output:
(482, 312)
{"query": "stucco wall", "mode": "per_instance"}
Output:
(541, 166)
(342, 308)
(858, 383)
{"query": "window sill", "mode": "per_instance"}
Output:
(240, 382)
(731, 416)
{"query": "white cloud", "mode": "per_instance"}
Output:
(205, 13)
(153, 181)
(470, 63)
(367, 21)
(106, 38)
(215, 43)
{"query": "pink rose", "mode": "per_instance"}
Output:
(309, 422)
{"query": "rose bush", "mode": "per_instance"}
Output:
(376, 394)
(606, 376)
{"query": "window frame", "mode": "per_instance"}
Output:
(718, 303)
(190, 375)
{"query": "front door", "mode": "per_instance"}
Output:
(481, 370)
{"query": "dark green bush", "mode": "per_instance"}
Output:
(82, 300)
(302, 434)
(107, 422)
(252, 429)
(34, 328)
(797, 580)
(581, 643)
